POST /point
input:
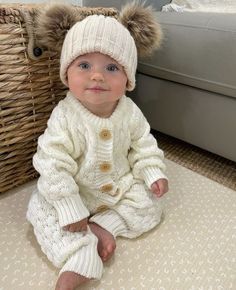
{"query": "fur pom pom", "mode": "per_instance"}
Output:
(142, 25)
(52, 24)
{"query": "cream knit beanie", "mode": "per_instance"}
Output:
(98, 33)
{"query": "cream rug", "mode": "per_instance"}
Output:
(193, 248)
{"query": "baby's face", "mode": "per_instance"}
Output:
(96, 79)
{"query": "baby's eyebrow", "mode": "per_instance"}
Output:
(82, 60)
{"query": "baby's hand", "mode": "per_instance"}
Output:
(80, 226)
(160, 187)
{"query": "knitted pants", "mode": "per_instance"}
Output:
(137, 212)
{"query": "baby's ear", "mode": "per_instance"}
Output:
(53, 23)
(143, 26)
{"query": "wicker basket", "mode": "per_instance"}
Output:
(30, 87)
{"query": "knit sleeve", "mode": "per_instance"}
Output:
(145, 158)
(55, 162)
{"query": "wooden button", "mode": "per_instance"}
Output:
(102, 208)
(107, 188)
(105, 134)
(105, 166)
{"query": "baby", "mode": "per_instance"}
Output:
(101, 171)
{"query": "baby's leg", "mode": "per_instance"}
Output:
(107, 225)
(137, 212)
(140, 209)
(75, 253)
(106, 242)
(70, 281)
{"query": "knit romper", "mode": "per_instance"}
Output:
(96, 168)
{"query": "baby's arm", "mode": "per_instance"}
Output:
(145, 158)
(55, 160)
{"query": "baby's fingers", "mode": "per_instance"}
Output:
(71, 228)
(83, 228)
(66, 228)
(155, 188)
(163, 186)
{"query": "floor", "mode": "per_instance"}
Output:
(193, 248)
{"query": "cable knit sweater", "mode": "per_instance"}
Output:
(86, 161)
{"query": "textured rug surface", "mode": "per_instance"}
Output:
(193, 248)
(201, 161)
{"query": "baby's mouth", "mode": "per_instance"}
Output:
(97, 89)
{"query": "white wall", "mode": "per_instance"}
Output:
(78, 2)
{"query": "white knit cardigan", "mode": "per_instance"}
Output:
(86, 161)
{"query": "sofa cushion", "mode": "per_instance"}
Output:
(207, 5)
(199, 50)
(118, 4)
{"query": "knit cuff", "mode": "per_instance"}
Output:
(151, 174)
(111, 221)
(85, 262)
(70, 210)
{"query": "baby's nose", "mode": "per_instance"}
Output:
(97, 76)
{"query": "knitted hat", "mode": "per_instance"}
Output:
(122, 36)
(98, 33)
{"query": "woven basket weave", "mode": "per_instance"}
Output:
(29, 90)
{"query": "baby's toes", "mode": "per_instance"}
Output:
(108, 252)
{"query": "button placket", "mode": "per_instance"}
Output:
(102, 208)
(105, 149)
(106, 188)
(105, 134)
(105, 166)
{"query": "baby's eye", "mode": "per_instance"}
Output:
(112, 67)
(84, 65)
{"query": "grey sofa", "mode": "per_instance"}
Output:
(187, 89)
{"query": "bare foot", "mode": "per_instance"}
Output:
(70, 281)
(106, 242)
